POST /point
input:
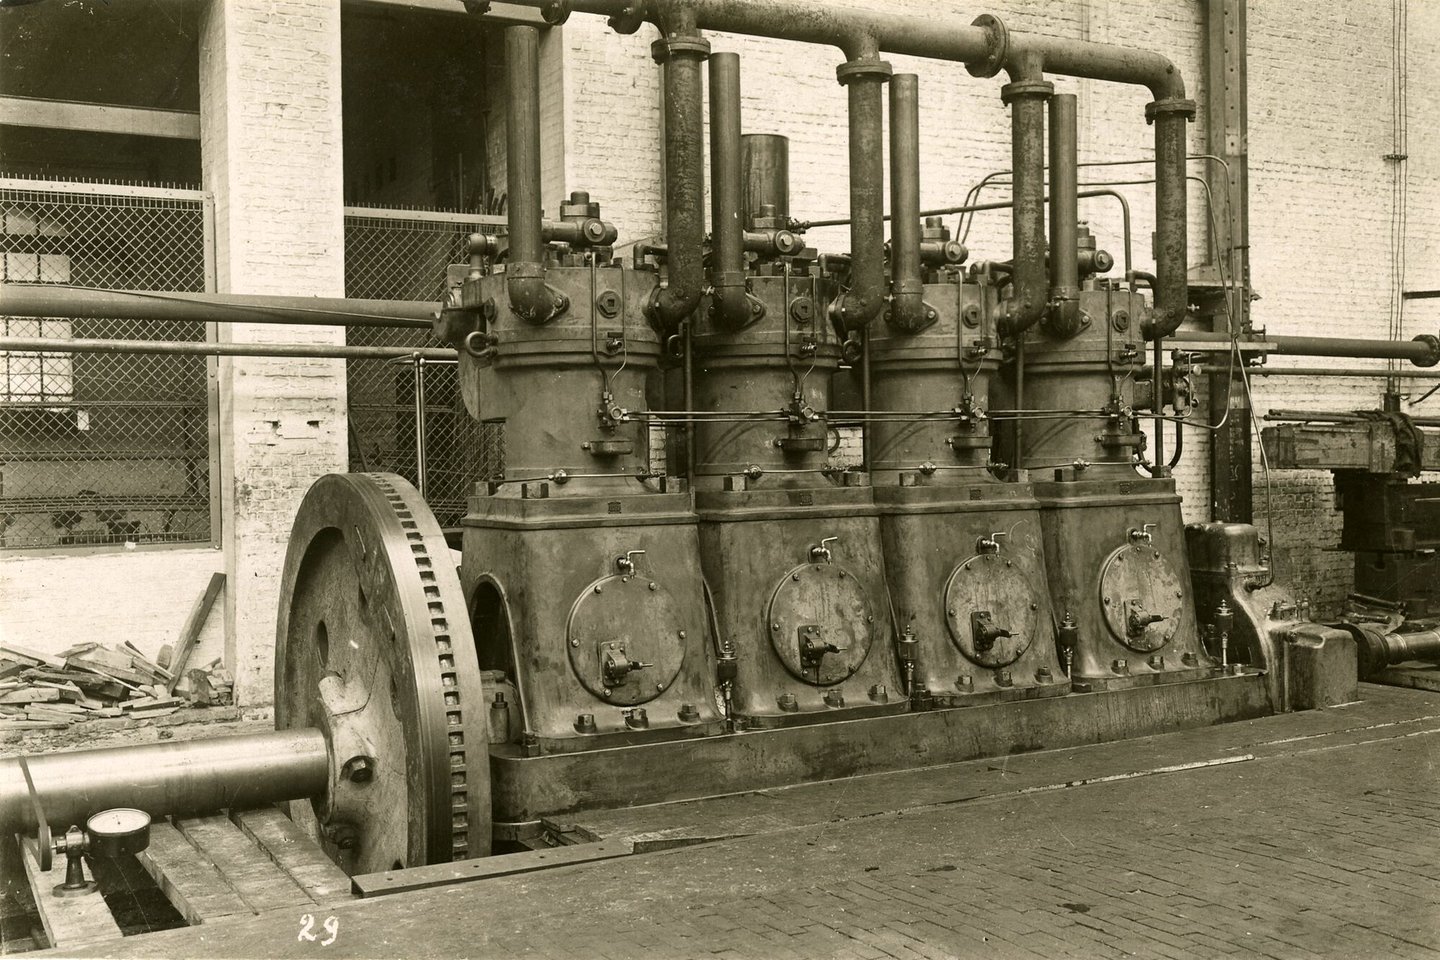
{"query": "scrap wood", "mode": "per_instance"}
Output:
(190, 632)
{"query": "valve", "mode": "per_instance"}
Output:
(618, 666)
(626, 564)
(1067, 638)
(813, 646)
(985, 632)
(907, 648)
(1141, 534)
(1224, 623)
(821, 550)
(1137, 619)
(990, 543)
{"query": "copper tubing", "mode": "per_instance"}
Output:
(55, 300)
(765, 159)
(532, 299)
(170, 777)
(865, 298)
(730, 307)
(1026, 96)
(681, 51)
(907, 287)
(1063, 314)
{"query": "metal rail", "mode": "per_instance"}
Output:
(320, 351)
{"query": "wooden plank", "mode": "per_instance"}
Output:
(484, 868)
(247, 868)
(190, 633)
(100, 118)
(188, 878)
(1414, 676)
(295, 853)
(68, 921)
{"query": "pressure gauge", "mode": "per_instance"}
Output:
(118, 832)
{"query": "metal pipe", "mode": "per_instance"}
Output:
(1423, 351)
(1026, 96)
(907, 285)
(198, 349)
(985, 47)
(170, 777)
(1377, 372)
(1063, 314)
(56, 300)
(419, 364)
(863, 76)
(765, 159)
(681, 50)
(532, 299)
(730, 306)
(1172, 298)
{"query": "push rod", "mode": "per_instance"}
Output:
(184, 777)
(84, 303)
(318, 351)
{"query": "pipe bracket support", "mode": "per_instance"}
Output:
(852, 70)
(997, 47)
(669, 48)
(1434, 344)
(1029, 89)
(1180, 105)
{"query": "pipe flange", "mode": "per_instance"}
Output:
(997, 47)
(630, 19)
(852, 70)
(668, 48)
(556, 12)
(1434, 344)
(1026, 89)
(1180, 105)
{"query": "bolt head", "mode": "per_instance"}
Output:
(358, 770)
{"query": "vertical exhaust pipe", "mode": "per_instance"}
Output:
(908, 313)
(730, 305)
(681, 51)
(1063, 313)
(1172, 301)
(1026, 94)
(864, 77)
(531, 298)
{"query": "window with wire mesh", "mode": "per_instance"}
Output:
(102, 448)
(390, 257)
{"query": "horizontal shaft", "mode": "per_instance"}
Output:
(185, 777)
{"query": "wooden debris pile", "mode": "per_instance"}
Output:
(41, 691)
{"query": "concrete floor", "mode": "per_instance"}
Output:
(1312, 834)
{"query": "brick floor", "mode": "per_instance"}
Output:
(1326, 844)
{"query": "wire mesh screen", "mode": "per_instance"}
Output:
(103, 448)
(402, 255)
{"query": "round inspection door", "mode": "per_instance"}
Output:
(1141, 597)
(991, 610)
(820, 623)
(626, 638)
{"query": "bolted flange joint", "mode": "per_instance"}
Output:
(669, 48)
(1026, 90)
(872, 67)
(1180, 105)
(997, 47)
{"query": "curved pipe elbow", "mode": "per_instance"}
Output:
(855, 309)
(531, 298)
(1062, 318)
(1024, 311)
(1162, 323)
(671, 304)
(908, 312)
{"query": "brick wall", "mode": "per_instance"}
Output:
(271, 142)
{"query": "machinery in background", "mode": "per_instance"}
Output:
(618, 635)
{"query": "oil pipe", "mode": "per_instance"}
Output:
(1063, 313)
(731, 306)
(532, 299)
(908, 313)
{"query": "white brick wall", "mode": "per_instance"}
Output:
(271, 139)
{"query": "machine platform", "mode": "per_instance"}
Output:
(1186, 844)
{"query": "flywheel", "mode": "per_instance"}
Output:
(374, 648)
